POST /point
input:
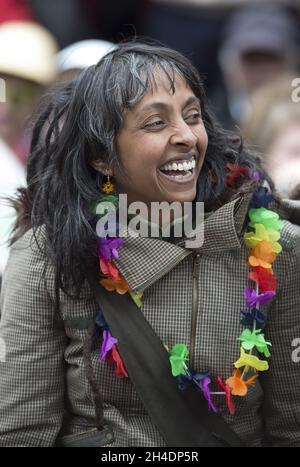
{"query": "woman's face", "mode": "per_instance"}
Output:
(162, 145)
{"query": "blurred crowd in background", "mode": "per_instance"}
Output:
(246, 51)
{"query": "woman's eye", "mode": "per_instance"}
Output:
(195, 116)
(154, 124)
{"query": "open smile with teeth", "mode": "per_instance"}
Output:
(180, 170)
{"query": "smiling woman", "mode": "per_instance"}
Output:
(167, 123)
(139, 341)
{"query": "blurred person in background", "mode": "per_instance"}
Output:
(27, 66)
(273, 126)
(260, 45)
(78, 20)
(15, 10)
(192, 27)
(12, 176)
(73, 59)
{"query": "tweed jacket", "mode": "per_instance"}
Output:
(44, 393)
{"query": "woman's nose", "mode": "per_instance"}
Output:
(183, 134)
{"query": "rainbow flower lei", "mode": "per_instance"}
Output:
(262, 239)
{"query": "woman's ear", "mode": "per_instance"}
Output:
(102, 167)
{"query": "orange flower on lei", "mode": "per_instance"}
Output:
(119, 286)
(262, 255)
(238, 386)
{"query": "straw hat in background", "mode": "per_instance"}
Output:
(27, 51)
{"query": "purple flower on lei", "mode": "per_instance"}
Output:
(255, 175)
(108, 247)
(107, 344)
(252, 299)
(204, 384)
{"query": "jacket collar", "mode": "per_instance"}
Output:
(145, 260)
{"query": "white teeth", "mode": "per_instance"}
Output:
(180, 176)
(183, 166)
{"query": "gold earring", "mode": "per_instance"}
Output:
(108, 186)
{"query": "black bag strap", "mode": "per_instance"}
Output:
(182, 417)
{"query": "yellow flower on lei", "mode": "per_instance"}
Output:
(261, 233)
(252, 361)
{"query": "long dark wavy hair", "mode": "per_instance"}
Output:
(76, 126)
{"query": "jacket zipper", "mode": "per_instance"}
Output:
(195, 277)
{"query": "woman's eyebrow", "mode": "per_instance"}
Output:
(192, 100)
(164, 106)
